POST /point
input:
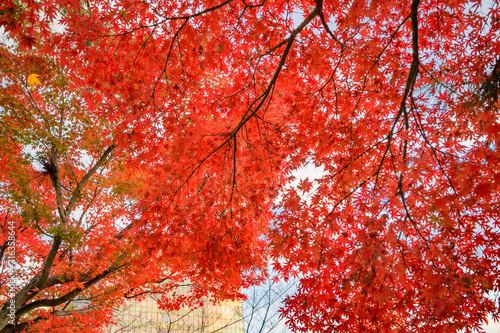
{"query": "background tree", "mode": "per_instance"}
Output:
(261, 310)
(186, 121)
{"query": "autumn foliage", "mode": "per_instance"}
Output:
(159, 142)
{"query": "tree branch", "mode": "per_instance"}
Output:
(90, 173)
(262, 98)
(68, 296)
(66, 313)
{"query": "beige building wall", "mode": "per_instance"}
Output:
(146, 317)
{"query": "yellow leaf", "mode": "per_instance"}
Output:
(32, 80)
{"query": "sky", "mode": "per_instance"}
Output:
(493, 327)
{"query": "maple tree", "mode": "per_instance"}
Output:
(162, 140)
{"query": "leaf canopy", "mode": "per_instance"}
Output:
(164, 144)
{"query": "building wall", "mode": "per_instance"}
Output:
(146, 317)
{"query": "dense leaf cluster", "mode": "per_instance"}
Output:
(164, 139)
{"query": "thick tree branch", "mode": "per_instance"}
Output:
(76, 193)
(57, 239)
(42, 281)
(68, 296)
(52, 168)
(49, 262)
(410, 82)
(319, 4)
(263, 97)
(66, 313)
